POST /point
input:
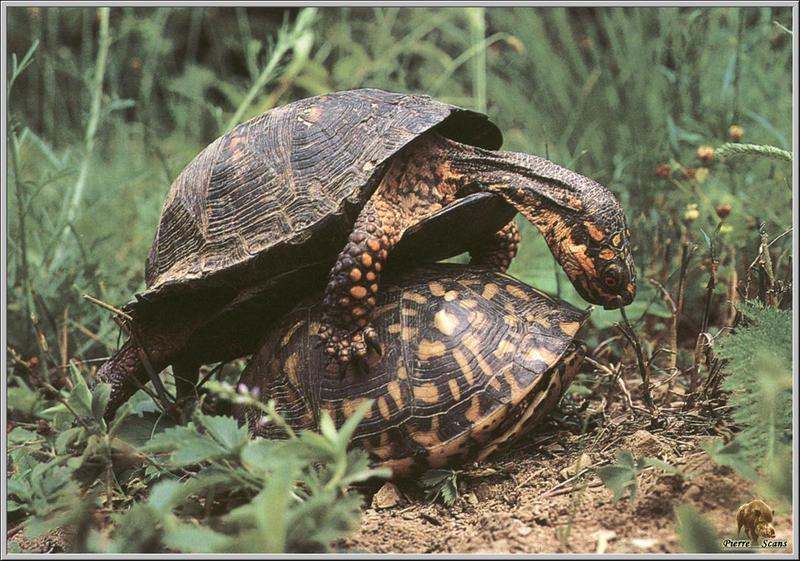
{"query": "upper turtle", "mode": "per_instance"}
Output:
(283, 177)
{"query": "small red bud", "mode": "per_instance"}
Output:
(723, 210)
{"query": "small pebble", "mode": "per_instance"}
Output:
(386, 497)
(524, 530)
(692, 492)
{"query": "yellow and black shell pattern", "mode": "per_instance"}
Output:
(471, 359)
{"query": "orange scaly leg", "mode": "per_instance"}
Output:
(350, 296)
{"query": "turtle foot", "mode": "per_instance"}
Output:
(350, 347)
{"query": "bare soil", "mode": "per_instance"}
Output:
(523, 501)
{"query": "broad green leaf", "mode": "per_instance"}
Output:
(18, 488)
(322, 519)
(318, 443)
(731, 455)
(625, 458)
(266, 515)
(662, 465)
(100, 397)
(138, 430)
(167, 494)
(196, 450)
(186, 446)
(358, 469)
(440, 484)
(137, 529)
(263, 456)
(188, 538)
(328, 429)
(22, 399)
(434, 477)
(51, 412)
(349, 427)
(696, 533)
(620, 477)
(68, 437)
(19, 435)
(225, 430)
(80, 398)
(449, 492)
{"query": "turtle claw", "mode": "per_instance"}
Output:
(346, 347)
(372, 340)
(342, 370)
(362, 367)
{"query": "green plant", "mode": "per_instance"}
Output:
(440, 484)
(622, 476)
(212, 487)
(758, 368)
(697, 534)
(560, 82)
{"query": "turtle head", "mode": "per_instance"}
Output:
(582, 221)
(595, 254)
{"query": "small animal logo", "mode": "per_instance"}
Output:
(756, 519)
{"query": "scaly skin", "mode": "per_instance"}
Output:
(580, 219)
(126, 372)
(497, 252)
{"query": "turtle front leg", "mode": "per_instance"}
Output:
(350, 296)
(497, 252)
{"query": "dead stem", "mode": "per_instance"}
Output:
(686, 255)
(766, 274)
(710, 287)
(733, 282)
(673, 330)
(109, 307)
(644, 369)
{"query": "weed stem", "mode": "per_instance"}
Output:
(71, 212)
(286, 42)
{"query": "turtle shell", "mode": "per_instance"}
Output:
(285, 187)
(471, 358)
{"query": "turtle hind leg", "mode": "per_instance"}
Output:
(497, 252)
(186, 373)
(133, 365)
(350, 296)
(126, 372)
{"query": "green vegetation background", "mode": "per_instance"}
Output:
(108, 111)
(609, 92)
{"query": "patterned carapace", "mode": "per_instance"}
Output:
(472, 359)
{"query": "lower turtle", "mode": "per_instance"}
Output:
(472, 359)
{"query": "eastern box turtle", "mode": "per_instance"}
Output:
(471, 359)
(255, 222)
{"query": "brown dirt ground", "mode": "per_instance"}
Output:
(517, 501)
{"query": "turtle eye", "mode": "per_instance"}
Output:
(613, 277)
